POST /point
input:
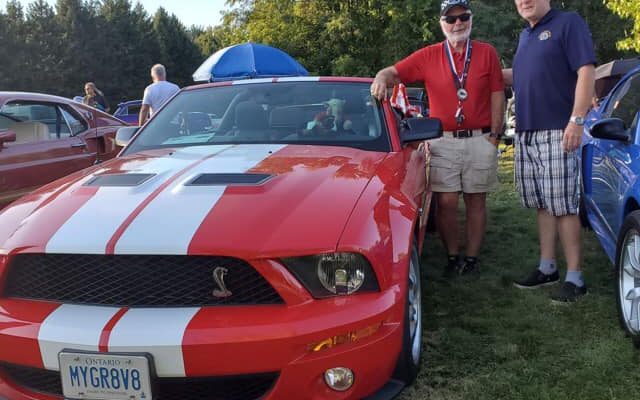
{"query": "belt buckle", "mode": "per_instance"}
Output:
(462, 133)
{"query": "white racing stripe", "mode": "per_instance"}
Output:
(72, 327)
(158, 331)
(91, 227)
(168, 223)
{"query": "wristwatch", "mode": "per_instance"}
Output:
(495, 135)
(576, 119)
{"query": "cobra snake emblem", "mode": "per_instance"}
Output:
(218, 277)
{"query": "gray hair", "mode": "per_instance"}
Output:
(159, 71)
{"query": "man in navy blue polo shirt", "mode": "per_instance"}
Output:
(553, 79)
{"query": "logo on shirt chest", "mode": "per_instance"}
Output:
(545, 35)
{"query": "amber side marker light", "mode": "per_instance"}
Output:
(349, 337)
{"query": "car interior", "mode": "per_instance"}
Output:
(309, 113)
(32, 121)
(30, 131)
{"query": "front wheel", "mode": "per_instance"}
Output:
(409, 361)
(628, 276)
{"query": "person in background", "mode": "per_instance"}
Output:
(554, 77)
(94, 97)
(463, 79)
(156, 94)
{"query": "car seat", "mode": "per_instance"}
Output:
(30, 131)
(198, 122)
(355, 110)
(251, 121)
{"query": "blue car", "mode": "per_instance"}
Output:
(129, 111)
(610, 160)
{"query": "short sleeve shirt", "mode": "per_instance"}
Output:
(156, 94)
(430, 65)
(545, 70)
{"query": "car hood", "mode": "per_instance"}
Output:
(243, 200)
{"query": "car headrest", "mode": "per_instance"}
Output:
(251, 116)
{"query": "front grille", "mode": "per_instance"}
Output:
(244, 387)
(136, 280)
(39, 380)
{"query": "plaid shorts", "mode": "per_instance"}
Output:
(547, 177)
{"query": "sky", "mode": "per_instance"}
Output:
(192, 12)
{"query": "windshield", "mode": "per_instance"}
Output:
(320, 113)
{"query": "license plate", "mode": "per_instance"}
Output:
(105, 376)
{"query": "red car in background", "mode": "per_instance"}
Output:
(45, 137)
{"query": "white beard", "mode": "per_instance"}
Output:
(458, 36)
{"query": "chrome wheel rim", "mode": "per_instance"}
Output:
(415, 311)
(629, 281)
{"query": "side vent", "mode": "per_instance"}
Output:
(119, 180)
(229, 179)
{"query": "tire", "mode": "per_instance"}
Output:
(628, 277)
(408, 364)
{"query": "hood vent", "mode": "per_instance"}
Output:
(119, 180)
(229, 179)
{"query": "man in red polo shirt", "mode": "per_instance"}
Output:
(463, 79)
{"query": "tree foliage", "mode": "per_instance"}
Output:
(114, 42)
(110, 42)
(628, 9)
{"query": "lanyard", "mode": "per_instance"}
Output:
(459, 81)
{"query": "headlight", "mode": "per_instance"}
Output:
(333, 274)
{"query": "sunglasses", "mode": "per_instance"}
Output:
(451, 19)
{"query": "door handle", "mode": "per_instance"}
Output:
(79, 145)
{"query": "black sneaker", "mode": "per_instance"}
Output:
(537, 279)
(568, 293)
(453, 262)
(469, 265)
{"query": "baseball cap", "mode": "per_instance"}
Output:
(449, 4)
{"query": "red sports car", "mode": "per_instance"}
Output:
(270, 254)
(44, 137)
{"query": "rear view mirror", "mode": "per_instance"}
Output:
(417, 129)
(124, 135)
(611, 129)
(7, 136)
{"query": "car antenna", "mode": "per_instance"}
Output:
(95, 122)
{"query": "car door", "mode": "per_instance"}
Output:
(612, 172)
(48, 146)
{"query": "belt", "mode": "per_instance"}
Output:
(466, 133)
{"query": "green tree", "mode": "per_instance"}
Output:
(334, 37)
(208, 41)
(606, 27)
(628, 9)
(15, 65)
(130, 50)
(81, 44)
(178, 53)
(42, 43)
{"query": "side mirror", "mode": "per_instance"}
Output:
(611, 129)
(418, 129)
(124, 135)
(7, 136)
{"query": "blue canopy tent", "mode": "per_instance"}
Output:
(248, 60)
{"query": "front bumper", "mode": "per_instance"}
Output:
(221, 341)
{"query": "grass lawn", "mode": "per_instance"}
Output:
(485, 339)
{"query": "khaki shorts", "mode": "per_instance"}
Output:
(469, 165)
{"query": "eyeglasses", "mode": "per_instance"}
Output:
(451, 19)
